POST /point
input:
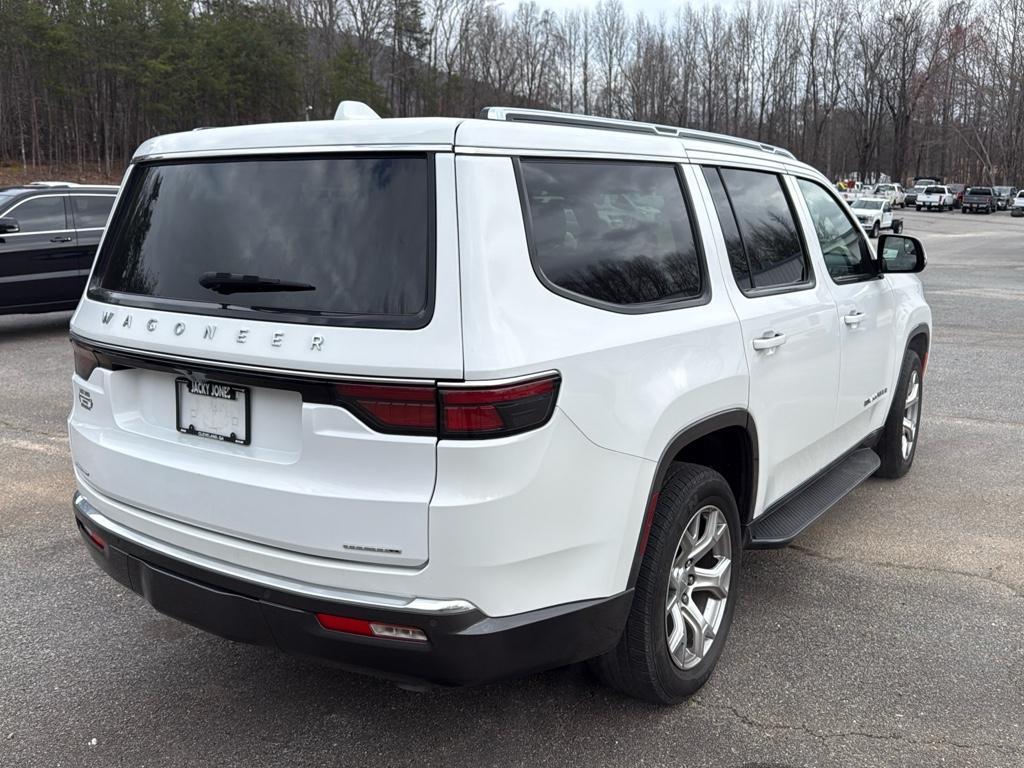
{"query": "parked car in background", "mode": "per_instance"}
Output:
(875, 215)
(912, 194)
(935, 198)
(958, 193)
(1017, 209)
(1004, 197)
(48, 237)
(398, 394)
(894, 193)
(979, 200)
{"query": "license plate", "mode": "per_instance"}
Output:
(212, 409)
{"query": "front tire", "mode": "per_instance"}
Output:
(898, 444)
(685, 593)
(874, 230)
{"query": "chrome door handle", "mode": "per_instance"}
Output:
(854, 318)
(60, 239)
(769, 342)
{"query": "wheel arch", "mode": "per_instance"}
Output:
(725, 442)
(919, 340)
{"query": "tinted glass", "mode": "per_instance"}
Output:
(726, 217)
(91, 211)
(353, 231)
(935, 191)
(42, 214)
(846, 252)
(614, 232)
(768, 228)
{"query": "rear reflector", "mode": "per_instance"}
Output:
(370, 628)
(93, 537)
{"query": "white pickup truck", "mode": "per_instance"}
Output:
(875, 214)
(894, 193)
(936, 198)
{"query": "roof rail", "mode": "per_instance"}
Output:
(52, 184)
(550, 117)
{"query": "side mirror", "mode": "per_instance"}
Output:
(9, 226)
(901, 253)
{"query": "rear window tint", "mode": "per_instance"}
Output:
(612, 232)
(768, 229)
(352, 235)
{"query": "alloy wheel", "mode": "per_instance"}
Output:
(911, 413)
(698, 587)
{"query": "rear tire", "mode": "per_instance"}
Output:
(695, 533)
(898, 444)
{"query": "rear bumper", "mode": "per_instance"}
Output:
(463, 647)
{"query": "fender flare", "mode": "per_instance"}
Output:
(737, 417)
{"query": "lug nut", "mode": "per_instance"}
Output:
(690, 580)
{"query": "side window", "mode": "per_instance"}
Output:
(91, 211)
(730, 229)
(612, 232)
(41, 214)
(847, 254)
(755, 204)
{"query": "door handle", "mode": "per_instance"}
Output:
(854, 318)
(769, 342)
(60, 239)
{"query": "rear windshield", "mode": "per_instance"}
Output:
(349, 240)
(935, 191)
(979, 191)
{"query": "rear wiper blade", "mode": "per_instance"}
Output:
(229, 282)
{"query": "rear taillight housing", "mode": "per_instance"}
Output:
(449, 411)
(407, 410)
(478, 412)
(87, 360)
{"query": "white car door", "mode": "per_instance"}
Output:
(866, 308)
(789, 323)
(887, 215)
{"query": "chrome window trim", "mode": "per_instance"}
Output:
(43, 232)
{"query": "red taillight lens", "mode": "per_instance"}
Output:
(465, 412)
(392, 408)
(86, 360)
(497, 411)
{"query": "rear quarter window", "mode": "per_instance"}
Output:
(353, 235)
(612, 233)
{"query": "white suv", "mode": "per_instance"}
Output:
(450, 400)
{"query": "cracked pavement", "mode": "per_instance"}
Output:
(890, 634)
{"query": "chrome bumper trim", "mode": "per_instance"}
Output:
(423, 605)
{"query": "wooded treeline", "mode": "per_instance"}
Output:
(900, 87)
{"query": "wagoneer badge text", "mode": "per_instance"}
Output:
(316, 341)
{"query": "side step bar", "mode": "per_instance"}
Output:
(781, 524)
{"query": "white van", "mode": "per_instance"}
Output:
(450, 400)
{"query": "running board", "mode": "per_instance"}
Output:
(784, 521)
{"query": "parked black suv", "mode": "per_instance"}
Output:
(48, 237)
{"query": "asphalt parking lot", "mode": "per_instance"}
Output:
(890, 634)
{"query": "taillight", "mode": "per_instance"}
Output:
(392, 408)
(497, 411)
(451, 412)
(86, 361)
